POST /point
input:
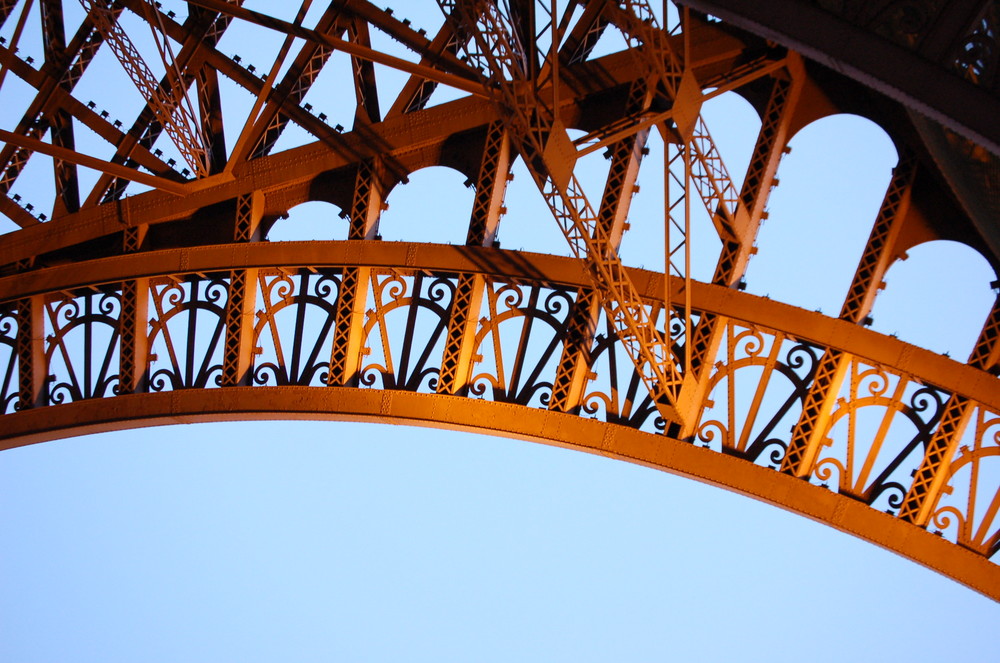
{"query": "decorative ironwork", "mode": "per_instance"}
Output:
(509, 368)
(82, 341)
(876, 435)
(404, 331)
(293, 332)
(9, 392)
(128, 293)
(187, 327)
(970, 502)
(755, 393)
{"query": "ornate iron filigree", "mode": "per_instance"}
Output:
(8, 360)
(292, 336)
(967, 512)
(869, 452)
(405, 331)
(755, 393)
(186, 332)
(519, 341)
(82, 346)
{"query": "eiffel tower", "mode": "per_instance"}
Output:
(139, 283)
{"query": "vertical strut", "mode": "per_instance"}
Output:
(460, 341)
(133, 323)
(930, 477)
(31, 365)
(237, 356)
(819, 401)
(348, 331)
(550, 157)
(494, 173)
(249, 212)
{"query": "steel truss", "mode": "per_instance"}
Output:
(121, 310)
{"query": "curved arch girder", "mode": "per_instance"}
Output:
(157, 334)
(532, 424)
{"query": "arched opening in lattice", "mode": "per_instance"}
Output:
(433, 206)
(937, 298)
(529, 224)
(821, 214)
(314, 220)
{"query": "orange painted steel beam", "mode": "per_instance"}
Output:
(458, 82)
(72, 156)
(515, 421)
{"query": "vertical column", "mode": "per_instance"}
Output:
(133, 321)
(458, 357)
(237, 354)
(808, 433)
(238, 349)
(494, 173)
(133, 324)
(930, 478)
(32, 369)
(348, 330)
(249, 212)
(366, 207)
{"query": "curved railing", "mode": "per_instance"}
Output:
(490, 340)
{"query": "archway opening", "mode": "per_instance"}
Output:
(938, 298)
(822, 213)
(434, 206)
(314, 220)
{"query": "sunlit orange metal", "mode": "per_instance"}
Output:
(170, 102)
(36, 293)
(193, 316)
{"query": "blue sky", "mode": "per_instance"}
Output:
(333, 541)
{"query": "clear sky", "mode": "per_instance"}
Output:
(319, 541)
